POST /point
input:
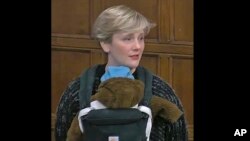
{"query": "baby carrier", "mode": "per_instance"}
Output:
(106, 124)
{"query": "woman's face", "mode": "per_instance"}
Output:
(125, 49)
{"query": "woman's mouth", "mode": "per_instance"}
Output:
(134, 57)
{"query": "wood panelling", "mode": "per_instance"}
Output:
(164, 21)
(71, 17)
(96, 7)
(174, 19)
(181, 21)
(81, 43)
(182, 82)
(190, 132)
(53, 121)
(66, 65)
(150, 61)
(164, 67)
(98, 57)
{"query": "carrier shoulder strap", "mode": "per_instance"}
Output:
(145, 76)
(87, 81)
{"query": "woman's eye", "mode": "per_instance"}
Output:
(142, 38)
(127, 39)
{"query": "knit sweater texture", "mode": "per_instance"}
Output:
(162, 130)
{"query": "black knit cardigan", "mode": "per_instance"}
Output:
(161, 129)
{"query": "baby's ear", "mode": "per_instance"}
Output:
(104, 96)
(138, 85)
(74, 132)
(165, 109)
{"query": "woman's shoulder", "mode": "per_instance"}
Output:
(160, 83)
(74, 84)
(70, 94)
(162, 88)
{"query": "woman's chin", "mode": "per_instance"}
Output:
(134, 65)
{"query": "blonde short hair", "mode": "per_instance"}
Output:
(119, 18)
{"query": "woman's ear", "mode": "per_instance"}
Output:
(105, 46)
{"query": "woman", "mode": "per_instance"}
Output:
(120, 31)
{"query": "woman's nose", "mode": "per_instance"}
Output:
(137, 44)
